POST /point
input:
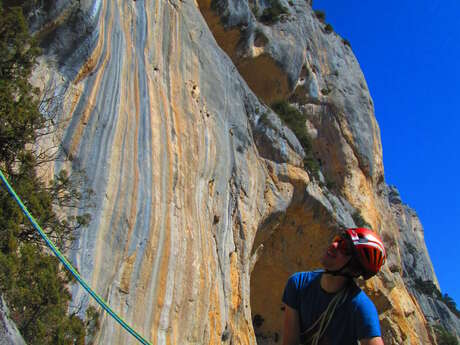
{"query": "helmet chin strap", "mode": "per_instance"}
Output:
(340, 271)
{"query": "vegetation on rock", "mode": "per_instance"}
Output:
(346, 42)
(443, 337)
(428, 288)
(328, 28)
(32, 281)
(320, 15)
(325, 91)
(273, 12)
(359, 220)
(296, 121)
(450, 303)
(254, 7)
(28, 6)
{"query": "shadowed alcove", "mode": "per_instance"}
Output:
(293, 241)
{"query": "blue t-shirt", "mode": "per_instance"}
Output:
(355, 319)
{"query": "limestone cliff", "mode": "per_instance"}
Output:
(203, 204)
(418, 273)
(9, 334)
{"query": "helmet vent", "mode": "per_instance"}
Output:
(367, 255)
(369, 250)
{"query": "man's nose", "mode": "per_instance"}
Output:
(333, 246)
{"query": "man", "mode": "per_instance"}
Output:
(327, 307)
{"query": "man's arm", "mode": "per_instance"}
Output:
(291, 330)
(371, 341)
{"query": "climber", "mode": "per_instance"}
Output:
(326, 307)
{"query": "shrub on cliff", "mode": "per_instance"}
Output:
(450, 303)
(32, 281)
(427, 287)
(346, 42)
(296, 121)
(273, 12)
(320, 15)
(328, 28)
(28, 6)
(443, 337)
(359, 220)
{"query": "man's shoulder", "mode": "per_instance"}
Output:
(302, 279)
(361, 301)
(297, 285)
(365, 316)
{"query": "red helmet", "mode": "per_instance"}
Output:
(368, 249)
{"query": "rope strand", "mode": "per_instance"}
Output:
(68, 265)
(326, 317)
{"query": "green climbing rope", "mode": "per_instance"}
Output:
(67, 264)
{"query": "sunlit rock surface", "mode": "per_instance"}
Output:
(9, 334)
(417, 267)
(202, 205)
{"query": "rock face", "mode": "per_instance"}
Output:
(203, 206)
(9, 334)
(418, 274)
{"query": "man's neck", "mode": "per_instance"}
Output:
(331, 283)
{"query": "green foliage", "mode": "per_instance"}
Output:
(346, 42)
(322, 18)
(427, 287)
(410, 248)
(320, 15)
(32, 281)
(325, 91)
(92, 323)
(254, 8)
(311, 163)
(296, 121)
(450, 303)
(35, 289)
(265, 120)
(18, 106)
(359, 220)
(328, 28)
(28, 5)
(273, 12)
(443, 337)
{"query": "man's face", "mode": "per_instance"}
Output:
(337, 254)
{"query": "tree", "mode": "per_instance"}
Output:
(38, 298)
(32, 282)
(450, 303)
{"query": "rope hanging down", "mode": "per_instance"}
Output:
(67, 264)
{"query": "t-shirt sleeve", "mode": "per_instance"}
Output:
(368, 324)
(290, 295)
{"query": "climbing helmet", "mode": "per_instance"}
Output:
(368, 249)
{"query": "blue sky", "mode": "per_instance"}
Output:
(409, 52)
